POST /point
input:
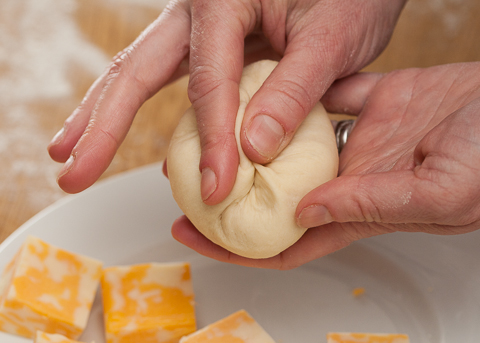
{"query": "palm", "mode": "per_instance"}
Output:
(400, 111)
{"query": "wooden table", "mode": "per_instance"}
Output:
(52, 50)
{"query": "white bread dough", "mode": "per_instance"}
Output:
(257, 219)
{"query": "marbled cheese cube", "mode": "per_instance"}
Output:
(48, 289)
(148, 303)
(43, 337)
(239, 327)
(344, 337)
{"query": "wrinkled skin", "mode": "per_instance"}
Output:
(412, 163)
(316, 41)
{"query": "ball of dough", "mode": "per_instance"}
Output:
(257, 219)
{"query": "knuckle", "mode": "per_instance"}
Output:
(219, 139)
(204, 80)
(120, 65)
(294, 96)
(110, 137)
(123, 67)
(364, 208)
(102, 135)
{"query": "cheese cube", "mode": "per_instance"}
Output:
(148, 303)
(43, 337)
(239, 327)
(49, 289)
(335, 337)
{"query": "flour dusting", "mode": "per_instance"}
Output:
(451, 13)
(39, 41)
(39, 45)
(406, 198)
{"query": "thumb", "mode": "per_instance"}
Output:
(387, 197)
(279, 107)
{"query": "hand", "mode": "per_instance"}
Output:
(318, 41)
(412, 163)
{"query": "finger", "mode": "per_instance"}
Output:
(64, 141)
(138, 73)
(348, 95)
(287, 96)
(216, 63)
(321, 47)
(278, 108)
(386, 197)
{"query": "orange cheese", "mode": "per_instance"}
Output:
(366, 338)
(43, 337)
(239, 327)
(148, 303)
(48, 289)
(358, 291)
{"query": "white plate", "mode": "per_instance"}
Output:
(422, 285)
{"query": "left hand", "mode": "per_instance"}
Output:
(412, 163)
(316, 41)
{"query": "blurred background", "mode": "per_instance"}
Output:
(52, 50)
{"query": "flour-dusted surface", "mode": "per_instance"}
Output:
(40, 45)
(51, 51)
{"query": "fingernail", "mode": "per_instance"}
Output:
(67, 166)
(208, 183)
(58, 137)
(265, 134)
(314, 215)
